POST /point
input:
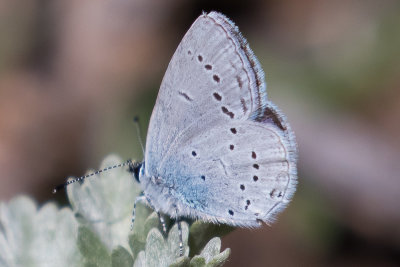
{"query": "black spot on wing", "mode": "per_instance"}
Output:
(244, 107)
(184, 95)
(217, 96)
(247, 204)
(227, 112)
(239, 81)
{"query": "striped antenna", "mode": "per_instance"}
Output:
(64, 185)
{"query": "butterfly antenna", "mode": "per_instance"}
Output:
(64, 185)
(139, 132)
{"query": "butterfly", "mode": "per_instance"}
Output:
(217, 149)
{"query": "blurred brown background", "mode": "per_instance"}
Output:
(74, 73)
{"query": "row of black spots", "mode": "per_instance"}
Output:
(255, 165)
(216, 95)
(243, 187)
(216, 78)
(247, 204)
(233, 131)
(254, 156)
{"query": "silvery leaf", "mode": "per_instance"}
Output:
(105, 203)
(37, 237)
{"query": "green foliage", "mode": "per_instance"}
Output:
(95, 231)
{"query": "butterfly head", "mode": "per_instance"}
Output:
(137, 169)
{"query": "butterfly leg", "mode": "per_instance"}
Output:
(180, 238)
(142, 199)
(178, 221)
(160, 217)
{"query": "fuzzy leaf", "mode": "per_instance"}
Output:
(219, 259)
(32, 237)
(152, 222)
(160, 251)
(155, 247)
(211, 256)
(92, 249)
(141, 227)
(141, 260)
(198, 261)
(105, 203)
(201, 233)
(173, 240)
(120, 257)
(181, 262)
(137, 245)
(212, 248)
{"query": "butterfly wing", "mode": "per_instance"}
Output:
(238, 173)
(212, 77)
(219, 150)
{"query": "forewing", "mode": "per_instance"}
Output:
(212, 78)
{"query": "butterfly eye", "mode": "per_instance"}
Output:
(142, 169)
(135, 169)
(138, 172)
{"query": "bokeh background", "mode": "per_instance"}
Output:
(74, 73)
